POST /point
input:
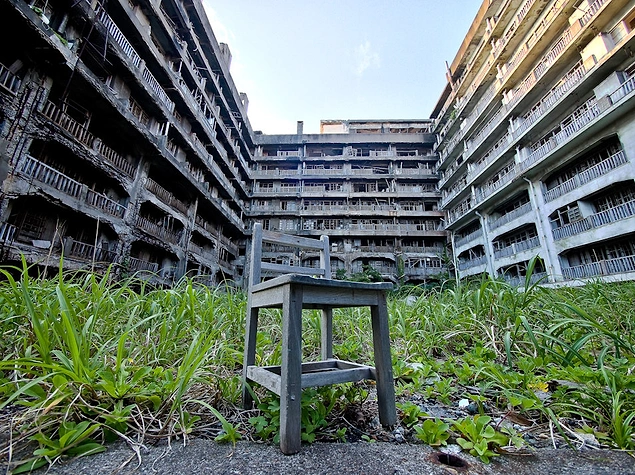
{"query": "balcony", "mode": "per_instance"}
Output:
(87, 252)
(63, 120)
(9, 81)
(611, 215)
(619, 265)
(277, 172)
(127, 49)
(157, 230)
(520, 280)
(49, 176)
(138, 265)
(508, 217)
(570, 126)
(105, 204)
(475, 262)
(459, 210)
(7, 233)
(81, 133)
(209, 254)
(517, 247)
(165, 196)
(601, 168)
(474, 235)
(484, 192)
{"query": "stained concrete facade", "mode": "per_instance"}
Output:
(123, 140)
(536, 141)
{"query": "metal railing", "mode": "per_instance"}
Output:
(105, 204)
(517, 247)
(587, 175)
(508, 217)
(62, 119)
(618, 265)
(136, 265)
(165, 196)
(88, 252)
(611, 215)
(462, 241)
(7, 232)
(157, 230)
(51, 177)
(131, 53)
(116, 159)
(468, 264)
(8, 80)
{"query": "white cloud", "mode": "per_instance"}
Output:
(365, 58)
(221, 32)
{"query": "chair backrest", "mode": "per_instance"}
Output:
(257, 265)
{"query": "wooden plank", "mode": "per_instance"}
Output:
(291, 240)
(265, 377)
(337, 376)
(319, 373)
(383, 364)
(326, 334)
(256, 255)
(285, 269)
(291, 370)
(249, 358)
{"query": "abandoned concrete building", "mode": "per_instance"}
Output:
(537, 141)
(123, 140)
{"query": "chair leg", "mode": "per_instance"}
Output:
(383, 364)
(326, 326)
(291, 370)
(251, 330)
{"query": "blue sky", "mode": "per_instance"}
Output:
(339, 59)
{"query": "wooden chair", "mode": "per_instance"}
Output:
(298, 289)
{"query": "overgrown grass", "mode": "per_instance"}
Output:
(86, 360)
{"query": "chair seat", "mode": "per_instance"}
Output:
(314, 374)
(317, 292)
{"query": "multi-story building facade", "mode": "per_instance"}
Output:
(370, 185)
(536, 139)
(122, 139)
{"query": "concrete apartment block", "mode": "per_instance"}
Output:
(123, 140)
(535, 135)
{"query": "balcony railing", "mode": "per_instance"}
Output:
(576, 121)
(517, 247)
(7, 232)
(462, 241)
(618, 265)
(130, 52)
(611, 215)
(520, 280)
(8, 80)
(60, 118)
(157, 230)
(105, 204)
(165, 196)
(82, 250)
(136, 265)
(508, 217)
(585, 176)
(51, 177)
(116, 159)
(468, 264)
